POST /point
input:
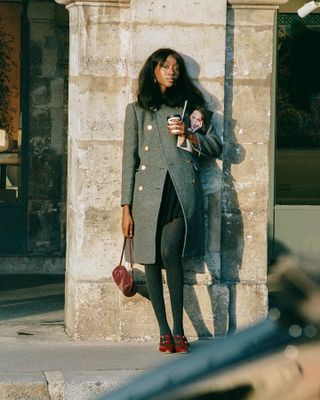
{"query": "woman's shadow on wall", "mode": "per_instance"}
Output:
(219, 270)
(213, 278)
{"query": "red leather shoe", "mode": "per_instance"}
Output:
(166, 344)
(181, 344)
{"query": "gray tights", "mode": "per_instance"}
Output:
(169, 243)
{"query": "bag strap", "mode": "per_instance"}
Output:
(130, 252)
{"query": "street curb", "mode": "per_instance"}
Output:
(62, 385)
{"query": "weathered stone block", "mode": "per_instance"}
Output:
(98, 187)
(59, 141)
(101, 245)
(249, 304)
(252, 52)
(46, 175)
(94, 242)
(244, 247)
(207, 310)
(41, 128)
(102, 103)
(30, 387)
(214, 222)
(44, 228)
(213, 90)
(50, 55)
(202, 271)
(248, 117)
(40, 94)
(232, 244)
(137, 319)
(190, 11)
(254, 265)
(246, 183)
(96, 310)
(99, 12)
(102, 111)
(70, 300)
(57, 92)
(213, 263)
(112, 62)
(251, 17)
(211, 176)
(101, 49)
(35, 56)
(184, 39)
(56, 384)
(41, 10)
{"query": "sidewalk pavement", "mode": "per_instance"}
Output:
(38, 361)
(35, 366)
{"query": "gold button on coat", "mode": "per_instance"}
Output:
(143, 167)
(146, 148)
(193, 181)
(149, 127)
(140, 188)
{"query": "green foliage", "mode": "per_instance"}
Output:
(5, 66)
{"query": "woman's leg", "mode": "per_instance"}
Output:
(171, 250)
(155, 289)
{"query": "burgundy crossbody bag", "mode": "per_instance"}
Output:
(123, 278)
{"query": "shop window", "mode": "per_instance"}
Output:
(298, 111)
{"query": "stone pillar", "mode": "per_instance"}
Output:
(250, 66)
(98, 72)
(108, 44)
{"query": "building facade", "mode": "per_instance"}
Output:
(230, 52)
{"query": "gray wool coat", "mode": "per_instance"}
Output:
(149, 152)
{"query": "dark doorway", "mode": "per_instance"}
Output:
(13, 132)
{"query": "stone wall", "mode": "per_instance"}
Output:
(48, 84)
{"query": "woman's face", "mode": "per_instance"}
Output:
(196, 120)
(167, 73)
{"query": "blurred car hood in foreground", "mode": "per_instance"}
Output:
(278, 358)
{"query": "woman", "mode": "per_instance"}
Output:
(161, 189)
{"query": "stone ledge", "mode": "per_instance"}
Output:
(23, 386)
(32, 265)
(110, 3)
(245, 3)
(256, 4)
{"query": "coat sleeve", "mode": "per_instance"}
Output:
(130, 157)
(209, 145)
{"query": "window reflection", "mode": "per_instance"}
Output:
(10, 121)
(298, 111)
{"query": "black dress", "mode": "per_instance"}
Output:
(170, 206)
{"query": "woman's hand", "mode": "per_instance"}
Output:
(127, 221)
(179, 128)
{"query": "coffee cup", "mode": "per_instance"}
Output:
(173, 120)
